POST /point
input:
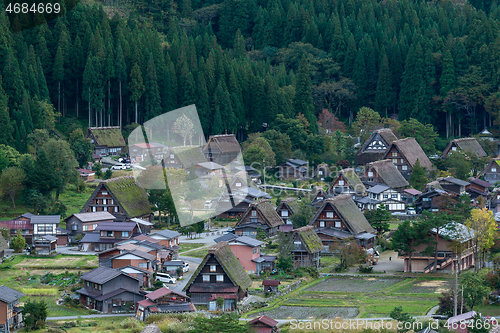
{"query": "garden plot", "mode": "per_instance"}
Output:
(423, 287)
(306, 312)
(359, 285)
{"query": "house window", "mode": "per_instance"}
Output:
(220, 278)
(74, 227)
(110, 233)
(454, 148)
(104, 201)
(172, 156)
(238, 184)
(253, 220)
(321, 224)
(104, 193)
(404, 167)
(370, 173)
(329, 214)
(93, 209)
(112, 202)
(254, 213)
(394, 154)
(394, 196)
(284, 213)
(94, 226)
(124, 233)
(341, 182)
(493, 169)
(385, 196)
(338, 224)
(116, 209)
(206, 278)
(395, 160)
(213, 268)
(143, 265)
(85, 227)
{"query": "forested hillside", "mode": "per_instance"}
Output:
(243, 62)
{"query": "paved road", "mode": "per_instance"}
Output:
(92, 316)
(193, 265)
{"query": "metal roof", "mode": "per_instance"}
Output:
(50, 219)
(167, 233)
(116, 226)
(225, 238)
(142, 222)
(9, 295)
(93, 216)
(454, 180)
(378, 189)
(91, 237)
(102, 275)
(210, 165)
(247, 241)
(50, 238)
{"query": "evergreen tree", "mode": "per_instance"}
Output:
(303, 94)
(448, 79)
(418, 178)
(7, 131)
(384, 96)
(121, 76)
(136, 87)
(153, 102)
(412, 81)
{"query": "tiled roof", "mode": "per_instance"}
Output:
(225, 238)
(51, 219)
(270, 282)
(102, 275)
(116, 226)
(162, 292)
(168, 234)
(9, 295)
(147, 238)
(247, 241)
(264, 319)
(93, 216)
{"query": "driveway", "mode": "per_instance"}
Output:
(384, 264)
(193, 265)
(73, 250)
(205, 237)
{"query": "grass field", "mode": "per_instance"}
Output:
(190, 246)
(199, 253)
(59, 262)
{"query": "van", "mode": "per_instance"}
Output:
(164, 277)
(118, 167)
(208, 204)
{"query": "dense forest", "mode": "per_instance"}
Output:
(244, 62)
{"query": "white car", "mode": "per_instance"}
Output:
(410, 211)
(165, 278)
(119, 167)
(185, 268)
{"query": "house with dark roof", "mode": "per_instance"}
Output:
(183, 157)
(375, 146)
(340, 218)
(287, 208)
(122, 197)
(163, 300)
(404, 154)
(145, 277)
(222, 149)
(263, 324)
(469, 146)
(78, 224)
(22, 223)
(409, 195)
(382, 195)
(319, 197)
(208, 169)
(491, 172)
(347, 181)
(248, 252)
(429, 200)
(220, 274)
(106, 235)
(478, 187)
(109, 290)
(271, 286)
(253, 173)
(260, 214)
(305, 246)
(36, 227)
(106, 140)
(168, 239)
(293, 169)
(11, 317)
(141, 152)
(453, 185)
(87, 175)
(385, 173)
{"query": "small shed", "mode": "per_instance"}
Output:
(46, 245)
(87, 175)
(271, 286)
(459, 323)
(263, 324)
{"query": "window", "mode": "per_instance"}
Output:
(206, 278)
(110, 233)
(143, 265)
(124, 233)
(85, 227)
(394, 196)
(254, 213)
(284, 213)
(320, 172)
(116, 209)
(385, 196)
(93, 209)
(341, 182)
(394, 160)
(401, 161)
(329, 214)
(213, 268)
(94, 226)
(404, 167)
(172, 156)
(112, 202)
(253, 220)
(321, 224)
(370, 173)
(493, 169)
(238, 184)
(104, 201)
(394, 154)
(454, 148)
(338, 224)
(104, 193)
(220, 278)
(74, 227)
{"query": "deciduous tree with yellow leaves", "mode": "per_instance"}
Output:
(483, 225)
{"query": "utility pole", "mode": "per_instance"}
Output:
(455, 296)
(462, 306)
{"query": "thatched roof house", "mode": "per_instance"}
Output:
(374, 148)
(261, 214)
(467, 145)
(384, 172)
(106, 140)
(347, 181)
(405, 153)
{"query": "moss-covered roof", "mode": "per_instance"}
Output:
(292, 204)
(132, 198)
(190, 155)
(389, 173)
(108, 136)
(309, 238)
(469, 145)
(229, 263)
(353, 179)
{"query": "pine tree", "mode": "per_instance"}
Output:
(448, 79)
(121, 75)
(239, 46)
(460, 58)
(412, 81)
(303, 94)
(136, 87)
(384, 96)
(7, 131)
(360, 79)
(418, 178)
(153, 101)
(58, 74)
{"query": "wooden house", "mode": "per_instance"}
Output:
(11, 315)
(263, 324)
(469, 146)
(271, 286)
(478, 187)
(107, 140)
(385, 173)
(305, 246)
(168, 239)
(45, 245)
(109, 290)
(78, 224)
(287, 208)
(293, 169)
(163, 300)
(340, 218)
(382, 195)
(122, 197)
(347, 182)
(87, 175)
(423, 262)
(253, 173)
(453, 185)
(152, 151)
(145, 277)
(260, 214)
(21, 223)
(322, 171)
(491, 172)
(219, 274)
(106, 235)
(222, 149)
(429, 200)
(319, 197)
(374, 148)
(404, 154)
(183, 157)
(208, 169)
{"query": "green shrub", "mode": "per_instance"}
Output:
(365, 269)
(129, 322)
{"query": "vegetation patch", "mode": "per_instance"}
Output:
(353, 284)
(304, 312)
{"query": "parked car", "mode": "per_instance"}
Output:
(118, 167)
(166, 278)
(185, 268)
(410, 211)
(208, 204)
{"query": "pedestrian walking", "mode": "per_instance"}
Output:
(389, 258)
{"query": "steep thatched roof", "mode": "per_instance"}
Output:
(389, 173)
(353, 179)
(309, 238)
(292, 204)
(349, 212)
(189, 156)
(469, 145)
(267, 211)
(412, 151)
(231, 265)
(131, 197)
(385, 133)
(107, 136)
(225, 143)
(326, 170)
